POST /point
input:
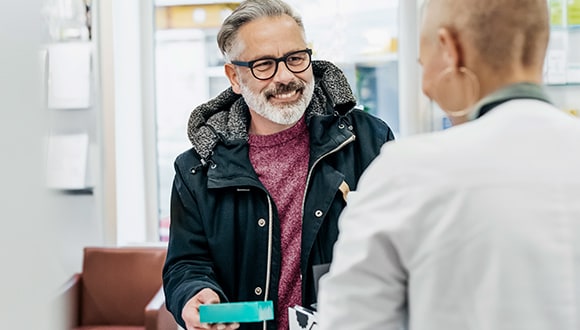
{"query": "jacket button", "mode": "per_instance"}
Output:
(261, 222)
(318, 213)
(258, 291)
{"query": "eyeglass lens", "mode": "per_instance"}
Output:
(296, 62)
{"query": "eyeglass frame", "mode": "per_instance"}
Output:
(250, 64)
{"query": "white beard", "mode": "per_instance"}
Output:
(285, 114)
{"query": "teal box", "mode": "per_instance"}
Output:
(249, 311)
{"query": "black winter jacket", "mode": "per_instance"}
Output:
(224, 231)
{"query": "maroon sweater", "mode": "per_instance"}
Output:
(281, 161)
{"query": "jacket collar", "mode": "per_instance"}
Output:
(230, 165)
(226, 117)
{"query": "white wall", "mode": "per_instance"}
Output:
(27, 251)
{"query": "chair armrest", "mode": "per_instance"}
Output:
(69, 295)
(157, 317)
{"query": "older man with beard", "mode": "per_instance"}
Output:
(255, 202)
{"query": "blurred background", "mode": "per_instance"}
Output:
(118, 80)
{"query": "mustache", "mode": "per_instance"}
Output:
(285, 88)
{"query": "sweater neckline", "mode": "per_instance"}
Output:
(280, 138)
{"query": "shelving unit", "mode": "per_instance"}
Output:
(189, 15)
(562, 67)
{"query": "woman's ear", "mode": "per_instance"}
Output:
(450, 48)
(232, 75)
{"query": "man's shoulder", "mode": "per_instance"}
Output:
(187, 158)
(365, 123)
(190, 171)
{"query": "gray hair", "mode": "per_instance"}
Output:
(248, 11)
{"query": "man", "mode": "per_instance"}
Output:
(478, 226)
(255, 202)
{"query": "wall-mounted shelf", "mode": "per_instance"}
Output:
(86, 191)
(187, 15)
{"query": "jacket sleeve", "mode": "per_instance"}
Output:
(188, 266)
(390, 136)
(383, 131)
(372, 129)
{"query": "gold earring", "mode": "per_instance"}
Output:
(470, 87)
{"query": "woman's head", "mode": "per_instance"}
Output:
(469, 48)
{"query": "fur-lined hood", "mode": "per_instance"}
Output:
(227, 116)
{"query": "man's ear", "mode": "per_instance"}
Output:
(232, 75)
(450, 48)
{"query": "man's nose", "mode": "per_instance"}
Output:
(283, 75)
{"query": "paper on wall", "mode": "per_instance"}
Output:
(67, 161)
(69, 75)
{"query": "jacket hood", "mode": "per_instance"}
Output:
(226, 117)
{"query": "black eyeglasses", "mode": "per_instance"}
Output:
(266, 68)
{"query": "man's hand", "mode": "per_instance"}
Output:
(190, 312)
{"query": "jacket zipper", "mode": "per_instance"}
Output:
(270, 216)
(269, 262)
(347, 141)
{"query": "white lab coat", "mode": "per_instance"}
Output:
(475, 227)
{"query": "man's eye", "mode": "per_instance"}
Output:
(295, 59)
(263, 65)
